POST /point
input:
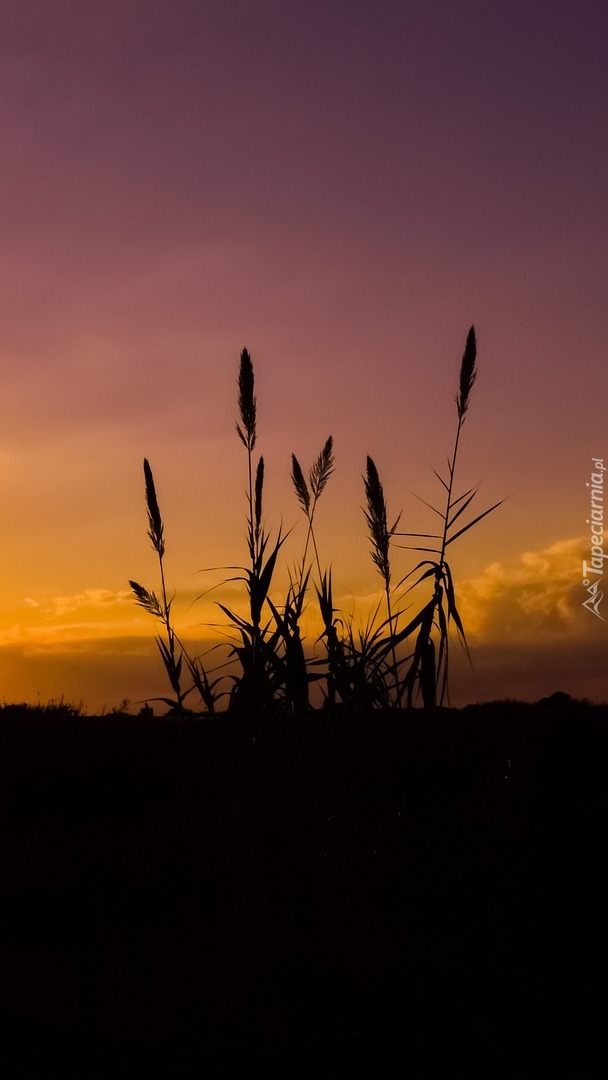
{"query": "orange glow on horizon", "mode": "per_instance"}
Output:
(259, 184)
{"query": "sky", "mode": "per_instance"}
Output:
(343, 188)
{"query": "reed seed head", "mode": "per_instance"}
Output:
(155, 522)
(148, 600)
(322, 468)
(300, 485)
(376, 518)
(468, 373)
(247, 402)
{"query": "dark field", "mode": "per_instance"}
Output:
(180, 897)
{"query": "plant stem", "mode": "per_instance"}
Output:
(446, 518)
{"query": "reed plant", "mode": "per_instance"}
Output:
(308, 495)
(172, 651)
(259, 684)
(160, 606)
(388, 662)
(428, 672)
(380, 536)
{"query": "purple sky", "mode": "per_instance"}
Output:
(344, 188)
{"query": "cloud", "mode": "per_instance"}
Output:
(538, 595)
(68, 636)
(63, 621)
(90, 598)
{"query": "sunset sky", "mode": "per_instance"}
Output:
(343, 188)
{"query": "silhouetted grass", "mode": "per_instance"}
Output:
(171, 649)
(429, 669)
(53, 710)
(160, 607)
(383, 664)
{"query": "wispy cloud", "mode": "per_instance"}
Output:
(93, 599)
(67, 635)
(540, 593)
(90, 598)
(63, 620)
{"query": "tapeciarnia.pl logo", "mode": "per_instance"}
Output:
(593, 570)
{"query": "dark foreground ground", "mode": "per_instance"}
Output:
(177, 898)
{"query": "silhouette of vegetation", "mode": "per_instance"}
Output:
(177, 898)
(53, 710)
(362, 667)
(160, 607)
(429, 668)
(262, 675)
(172, 651)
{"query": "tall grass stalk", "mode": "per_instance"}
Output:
(380, 535)
(429, 668)
(308, 497)
(256, 650)
(247, 434)
(318, 475)
(160, 607)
